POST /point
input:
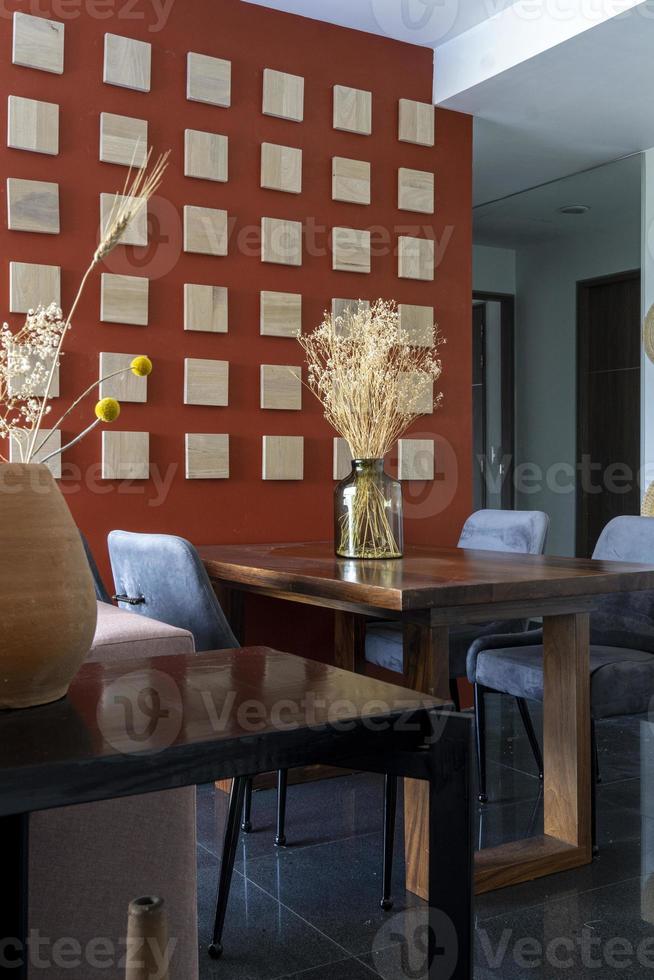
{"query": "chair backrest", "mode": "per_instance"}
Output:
(165, 576)
(519, 531)
(625, 613)
(101, 593)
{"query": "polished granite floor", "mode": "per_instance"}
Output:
(311, 911)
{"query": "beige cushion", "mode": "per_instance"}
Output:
(122, 635)
(86, 863)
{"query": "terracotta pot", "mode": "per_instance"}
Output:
(48, 609)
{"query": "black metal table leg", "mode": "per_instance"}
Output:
(14, 838)
(451, 858)
(390, 810)
(227, 864)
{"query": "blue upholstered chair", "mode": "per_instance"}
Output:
(101, 593)
(519, 532)
(621, 652)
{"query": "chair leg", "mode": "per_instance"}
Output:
(390, 811)
(227, 865)
(531, 734)
(454, 693)
(246, 826)
(282, 783)
(480, 734)
(598, 774)
(594, 782)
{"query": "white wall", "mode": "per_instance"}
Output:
(493, 269)
(546, 332)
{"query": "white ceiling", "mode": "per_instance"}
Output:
(612, 192)
(426, 22)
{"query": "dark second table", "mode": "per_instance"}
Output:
(175, 721)
(428, 591)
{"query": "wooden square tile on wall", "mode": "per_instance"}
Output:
(33, 205)
(342, 306)
(33, 125)
(350, 250)
(283, 95)
(414, 399)
(127, 62)
(415, 190)
(32, 285)
(206, 382)
(283, 458)
(208, 79)
(352, 110)
(280, 314)
(17, 380)
(124, 299)
(125, 455)
(207, 456)
(342, 461)
(415, 459)
(51, 439)
(123, 140)
(350, 180)
(281, 387)
(416, 122)
(281, 241)
(136, 232)
(206, 308)
(281, 168)
(415, 259)
(127, 386)
(205, 155)
(38, 43)
(417, 322)
(206, 230)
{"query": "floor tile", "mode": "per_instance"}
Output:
(337, 887)
(263, 940)
(350, 969)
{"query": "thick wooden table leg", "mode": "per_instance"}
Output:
(350, 641)
(427, 668)
(566, 730)
(566, 842)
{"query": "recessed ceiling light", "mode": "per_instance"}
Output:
(574, 209)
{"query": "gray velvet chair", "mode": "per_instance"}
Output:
(621, 652)
(161, 576)
(101, 593)
(519, 532)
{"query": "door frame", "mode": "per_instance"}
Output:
(507, 333)
(582, 322)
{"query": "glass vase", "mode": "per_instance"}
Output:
(368, 513)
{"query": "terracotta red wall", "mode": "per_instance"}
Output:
(243, 508)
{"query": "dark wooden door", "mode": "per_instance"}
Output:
(608, 403)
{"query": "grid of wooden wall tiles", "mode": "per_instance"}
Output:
(33, 206)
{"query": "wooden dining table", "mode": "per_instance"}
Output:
(430, 590)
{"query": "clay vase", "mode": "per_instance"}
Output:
(48, 609)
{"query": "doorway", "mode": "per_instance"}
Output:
(608, 403)
(493, 400)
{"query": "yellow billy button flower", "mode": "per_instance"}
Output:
(107, 410)
(141, 366)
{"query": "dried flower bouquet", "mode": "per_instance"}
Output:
(373, 384)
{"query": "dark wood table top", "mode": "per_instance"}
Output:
(172, 721)
(423, 579)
